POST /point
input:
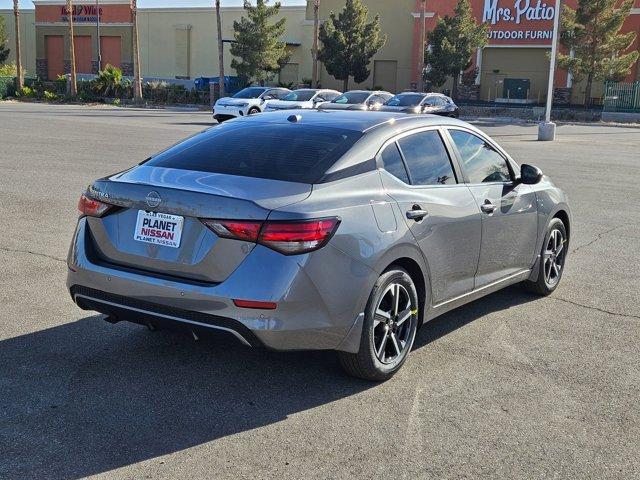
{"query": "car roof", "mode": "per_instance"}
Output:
(350, 120)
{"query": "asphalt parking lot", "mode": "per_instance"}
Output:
(509, 386)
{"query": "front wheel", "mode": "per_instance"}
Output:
(253, 111)
(552, 260)
(389, 328)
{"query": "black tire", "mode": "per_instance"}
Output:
(253, 111)
(546, 284)
(367, 364)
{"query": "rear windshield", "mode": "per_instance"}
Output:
(288, 152)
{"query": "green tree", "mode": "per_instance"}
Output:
(349, 42)
(4, 41)
(257, 44)
(451, 45)
(592, 31)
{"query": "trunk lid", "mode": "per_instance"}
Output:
(200, 255)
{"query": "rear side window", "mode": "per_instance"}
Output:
(392, 161)
(427, 159)
(288, 152)
(481, 162)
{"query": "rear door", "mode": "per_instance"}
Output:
(440, 211)
(509, 209)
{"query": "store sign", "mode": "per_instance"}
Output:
(81, 13)
(528, 20)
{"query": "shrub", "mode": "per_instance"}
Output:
(50, 96)
(60, 84)
(10, 70)
(26, 92)
(108, 82)
(117, 102)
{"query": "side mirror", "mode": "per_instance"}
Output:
(530, 175)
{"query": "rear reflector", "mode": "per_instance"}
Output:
(255, 304)
(92, 208)
(286, 237)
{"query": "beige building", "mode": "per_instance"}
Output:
(392, 67)
(27, 37)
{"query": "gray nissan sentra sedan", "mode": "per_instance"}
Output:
(318, 230)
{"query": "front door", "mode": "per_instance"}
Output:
(83, 53)
(54, 51)
(509, 209)
(440, 211)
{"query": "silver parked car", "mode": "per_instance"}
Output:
(318, 230)
(357, 100)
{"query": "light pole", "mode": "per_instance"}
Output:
(423, 39)
(98, 34)
(73, 84)
(137, 81)
(547, 129)
(316, 27)
(19, 78)
(220, 51)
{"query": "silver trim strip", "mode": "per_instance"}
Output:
(492, 284)
(169, 317)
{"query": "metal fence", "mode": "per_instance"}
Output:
(622, 97)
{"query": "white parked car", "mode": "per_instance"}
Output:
(302, 98)
(248, 101)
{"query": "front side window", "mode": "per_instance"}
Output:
(351, 98)
(392, 162)
(481, 162)
(299, 96)
(249, 92)
(405, 100)
(427, 159)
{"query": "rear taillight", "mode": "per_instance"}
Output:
(91, 207)
(287, 237)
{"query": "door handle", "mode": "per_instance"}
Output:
(488, 207)
(416, 213)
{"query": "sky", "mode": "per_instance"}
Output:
(27, 4)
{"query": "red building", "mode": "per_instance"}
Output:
(514, 65)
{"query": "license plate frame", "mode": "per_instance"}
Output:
(159, 228)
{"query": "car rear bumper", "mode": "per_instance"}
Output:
(319, 296)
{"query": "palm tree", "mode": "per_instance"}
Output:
(220, 49)
(73, 90)
(314, 52)
(19, 77)
(137, 80)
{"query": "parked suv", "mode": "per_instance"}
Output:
(302, 98)
(357, 100)
(416, 102)
(248, 101)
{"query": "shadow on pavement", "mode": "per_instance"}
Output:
(87, 397)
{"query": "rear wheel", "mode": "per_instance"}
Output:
(553, 256)
(389, 329)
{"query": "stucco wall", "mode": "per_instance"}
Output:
(27, 38)
(397, 23)
(160, 48)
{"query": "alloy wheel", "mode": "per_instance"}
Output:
(554, 255)
(392, 323)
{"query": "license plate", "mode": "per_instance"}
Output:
(158, 228)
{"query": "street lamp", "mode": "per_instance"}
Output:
(422, 42)
(547, 129)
